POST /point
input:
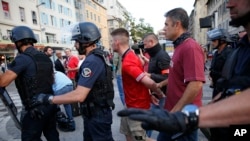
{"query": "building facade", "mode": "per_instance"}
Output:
(220, 15)
(97, 13)
(116, 15)
(46, 18)
(200, 11)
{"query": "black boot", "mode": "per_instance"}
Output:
(71, 125)
(62, 121)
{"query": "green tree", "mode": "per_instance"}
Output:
(137, 30)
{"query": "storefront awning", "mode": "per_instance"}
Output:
(11, 46)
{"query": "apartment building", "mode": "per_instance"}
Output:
(96, 13)
(200, 11)
(48, 19)
(13, 13)
(116, 15)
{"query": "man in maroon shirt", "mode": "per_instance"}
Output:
(186, 74)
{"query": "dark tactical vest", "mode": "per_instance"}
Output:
(41, 82)
(232, 83)
(102, 93)
(218, 63)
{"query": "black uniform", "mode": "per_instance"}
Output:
(235, 78)
(96, 109)
(217, 64)
(35, 75)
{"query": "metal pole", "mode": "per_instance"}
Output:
(40, 24)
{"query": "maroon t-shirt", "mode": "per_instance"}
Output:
(187, 65)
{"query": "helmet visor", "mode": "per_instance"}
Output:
(75, 32)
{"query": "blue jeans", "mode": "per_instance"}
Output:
(98, 126)
(67, 107)
(193, 136)
(120, 88)
(161, 105)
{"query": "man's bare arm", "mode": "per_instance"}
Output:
(77, 95)
(149, 83)
(230, 111)
(191, 91)
(7, 77)
(162, 83)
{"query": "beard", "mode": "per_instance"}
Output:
(81, 51)
(240, 21)
(18, 48)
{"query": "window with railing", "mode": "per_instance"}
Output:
(45, 19)
(22, 14)
(53, 20)
(61, 22)
(51, 38)
(34, 17)
(87, 13)
(60, 8)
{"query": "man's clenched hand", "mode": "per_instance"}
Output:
(39, 99)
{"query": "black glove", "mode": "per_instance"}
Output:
(1, 90)
(39, 99)
(37, 112)
(157, 119)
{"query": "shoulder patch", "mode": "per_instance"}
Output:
(86, 72)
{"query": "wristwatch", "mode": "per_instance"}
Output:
(50, 99)
(192, 113)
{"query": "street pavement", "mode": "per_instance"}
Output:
(8, 131)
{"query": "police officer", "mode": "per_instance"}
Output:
(94, 89)
(33, 74)
(220, 40)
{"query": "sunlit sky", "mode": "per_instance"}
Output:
(153, 10)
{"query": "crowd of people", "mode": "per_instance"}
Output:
(231, 87)
(158, 92)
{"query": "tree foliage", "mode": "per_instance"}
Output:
(137, 30)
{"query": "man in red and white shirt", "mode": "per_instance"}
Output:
(71, 65)
(135, 84)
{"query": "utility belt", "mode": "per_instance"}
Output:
(229, 92)
(27, 103)
(90, 109)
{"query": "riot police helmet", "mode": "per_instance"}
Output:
(86, 33)
(19, 33)
(219, 34)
